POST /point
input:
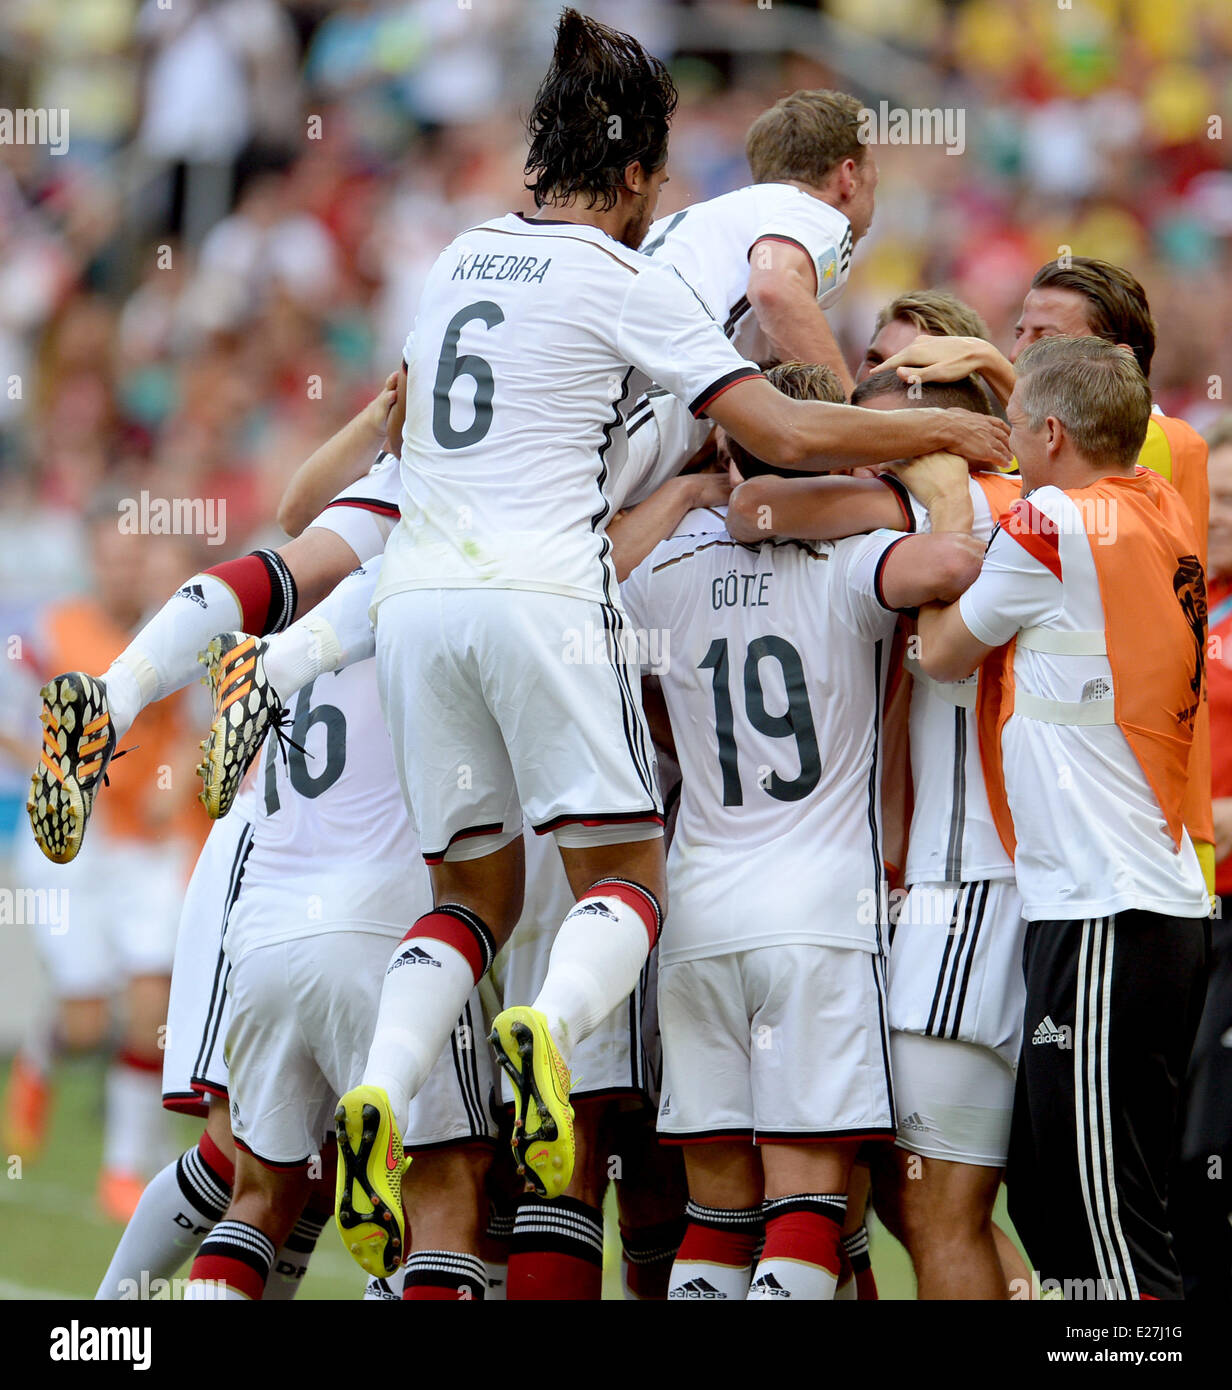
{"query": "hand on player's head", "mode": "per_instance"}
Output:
(931, 358)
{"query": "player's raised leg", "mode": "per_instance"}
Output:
(252, 678)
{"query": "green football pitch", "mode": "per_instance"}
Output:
(55, 1244)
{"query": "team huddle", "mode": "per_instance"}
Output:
(881, 831)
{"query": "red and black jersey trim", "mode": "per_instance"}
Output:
(438, 856)
(367, 504)
(705, 1136)
(189, 1103)
(707, 398)
(823, 1136)
(901, 496)
(879, 573)
(599, 818)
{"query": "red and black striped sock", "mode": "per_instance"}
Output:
(556, 1251)
(444, 1276)
(715, 1260)
(264, 588)
(237, 1257)
(801, 1255)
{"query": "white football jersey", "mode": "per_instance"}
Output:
(331, 821)
(364, 513)
(1091, 837)
(953, 838)
(773, 663)
(710, 244)
(531, 341)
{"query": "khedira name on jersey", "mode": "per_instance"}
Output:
(475, 265)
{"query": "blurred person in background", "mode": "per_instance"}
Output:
(1202, 1204)
(106, 925)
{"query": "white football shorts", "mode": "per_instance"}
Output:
(780, 1043)
(956, 964)
(955, 1099)
(504, 701)
(198, 1012)
(303, 1015)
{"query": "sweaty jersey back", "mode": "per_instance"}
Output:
(531, 340)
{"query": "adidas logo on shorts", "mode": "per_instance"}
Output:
(415, 955)
(695, 1288)
(1048, 1032)
(912, 1121)
(769, 1287)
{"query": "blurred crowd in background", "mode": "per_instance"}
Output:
(224, 263)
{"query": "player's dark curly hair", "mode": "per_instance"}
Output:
(604, 103)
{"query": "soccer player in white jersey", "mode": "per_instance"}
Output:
(530, 337)
(1088, 714)
(767, 259)
(771, 991)
(955, 972)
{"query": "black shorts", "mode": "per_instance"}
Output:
(1112, 1007)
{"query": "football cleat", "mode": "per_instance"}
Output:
(78, 744)
(368, 1208)
(245, 706)
(542, 1115)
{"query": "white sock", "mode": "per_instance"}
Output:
(335, 634)
(162, 658)
(286, 1274)
(597, 956)
(387, 1290)
(427, 983)
(135, 1134)
(180, 1206)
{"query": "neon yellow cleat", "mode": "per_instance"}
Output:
(371, 1163)
(542, 1115)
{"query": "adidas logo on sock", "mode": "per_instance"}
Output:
(415, 955)
(912, 1121)
(695, 1288)
(593, 909)
(770, 1287)
(194, 592)
(1048, 1032)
